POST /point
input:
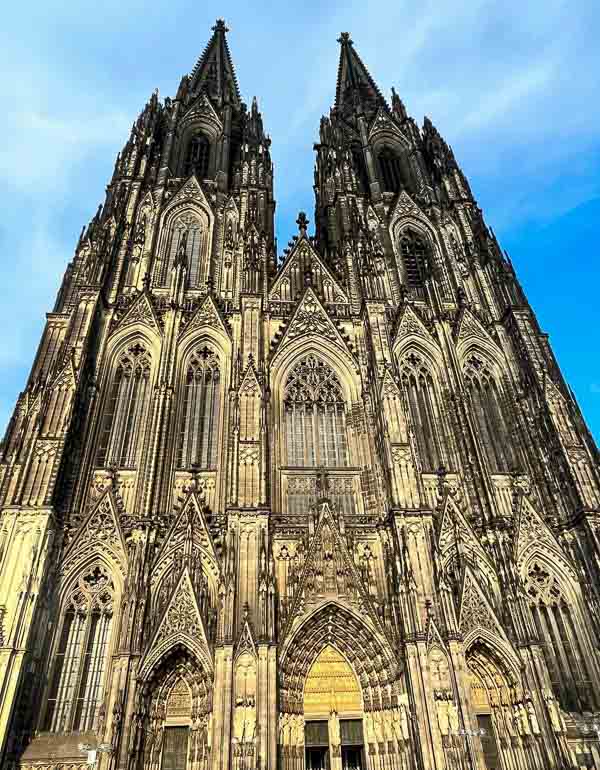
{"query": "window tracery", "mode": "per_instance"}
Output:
(556, 624)
(125, 409)
(420, 395)
(415, 259)
(197, 157)
(390, 165)
(489, 415)
(201, 411)
(184, 247)
(76, 684)
(315, 416)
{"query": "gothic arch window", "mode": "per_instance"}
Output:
(200, 422)
(559, 632)
(314, 416)
(415, 255)
(489, 415)
(125, 409)
(184, 241)
(421, 398)
(358, 160)
(197, 156)
(79, 663)
(390, 165)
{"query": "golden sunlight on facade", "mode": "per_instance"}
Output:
(333, 510)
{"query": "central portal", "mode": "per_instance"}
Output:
(333, 712)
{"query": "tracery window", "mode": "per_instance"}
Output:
(391, 170)
(183, 246)
(125, 409)
(489, 415)
(415, 259)
(315, 416)
(558, 630)
(197, 157)
(199, 428)
(420, 395)
(77, 678)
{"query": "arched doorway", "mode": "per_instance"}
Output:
(171, 723)
(333, 712)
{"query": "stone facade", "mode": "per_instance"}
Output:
(337, 509)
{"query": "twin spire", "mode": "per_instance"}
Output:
(356, 90)
(214, 69)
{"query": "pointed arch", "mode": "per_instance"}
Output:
(174, 702)
(81, 649)
(373, 660)
(484, 385)
(558, 613)
(331, 684)
(421, 391)
(128, 396)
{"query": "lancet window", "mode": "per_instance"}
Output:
(420, 394)
(125, 409)
(489, 415)
(390, 165)
(200, 422)
(77, 678)
(315, 416)
(415, 259)
(197, 157)
(557, 628)
(183, 247)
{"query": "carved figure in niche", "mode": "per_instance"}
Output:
(181, 258)
(403, 716)
(245, 699)
(453, 721)
(556, 719)
(443, 717)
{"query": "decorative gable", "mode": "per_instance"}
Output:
(310, 319)
(329, 573)
(382, 122)
(202, 110)
(476, 612)
(532, 532)
(140, 311)
(409, 325)
(406, 207)
(468, 326)
(208, 315)
(190, 191)
(181, 623)
(99, 534)
(301, 258)
(455, 533)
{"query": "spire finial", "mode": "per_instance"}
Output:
(344, 38)
(220, 26)
(302, 222)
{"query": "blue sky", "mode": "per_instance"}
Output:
(512, 86)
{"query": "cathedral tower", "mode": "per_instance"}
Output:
(337, 510)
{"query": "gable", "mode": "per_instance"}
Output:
(99, 534)
(140, 311)
(207, 315)
(310, 319)
(301, 257)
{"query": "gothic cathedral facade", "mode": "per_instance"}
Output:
(334, 510)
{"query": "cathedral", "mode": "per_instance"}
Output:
(332, 509)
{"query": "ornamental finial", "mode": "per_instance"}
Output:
(220, 26)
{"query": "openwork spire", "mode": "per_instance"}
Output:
(214, 70)
(356, 90)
